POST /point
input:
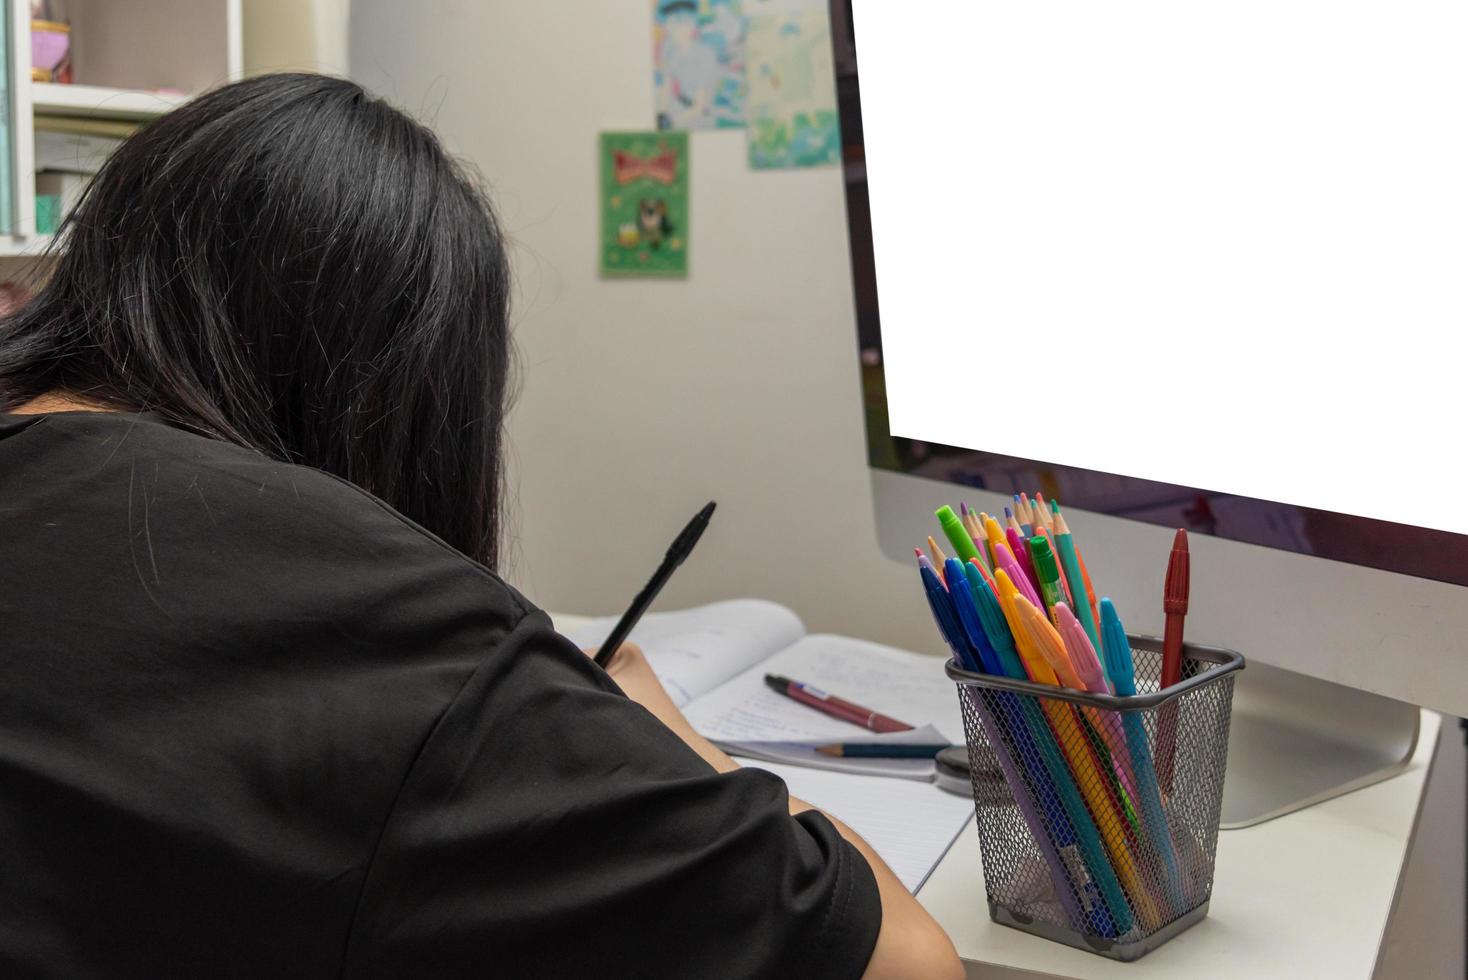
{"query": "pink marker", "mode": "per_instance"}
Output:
(1078, 648)
(1083, 658)
(1004, 558)
(1022, 556)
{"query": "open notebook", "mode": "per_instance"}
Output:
(713, 660)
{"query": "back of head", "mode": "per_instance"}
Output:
(294, 266)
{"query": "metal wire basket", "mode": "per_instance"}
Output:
(1098, 815)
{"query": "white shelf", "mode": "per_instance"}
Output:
(99, 102)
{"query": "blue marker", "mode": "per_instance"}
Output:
(942, 606)
(1035, 743)
(1117, 652)
(1061, 866)
(968, 617)
(996, 627)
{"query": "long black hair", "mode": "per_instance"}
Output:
(294, 266)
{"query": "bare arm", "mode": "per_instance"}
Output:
(910, 943)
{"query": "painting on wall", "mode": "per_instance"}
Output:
(644, 204)
(698, 63)
(791, 104)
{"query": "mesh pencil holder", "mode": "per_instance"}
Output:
(1098, 815)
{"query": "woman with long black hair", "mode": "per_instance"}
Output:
(266, 708)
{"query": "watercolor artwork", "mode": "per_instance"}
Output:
(698, 63)
(791, 104)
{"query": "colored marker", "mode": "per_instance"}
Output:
(1175, 607)
(1001, 639)
(1116, 650)
(1078, 647)
(1088, 669)
(956, 534)
(1052, 646)
(994, 534)
(1078, 749)
(996, 627)
(1062, 728)
(1047, 572)
(944, 615)
(1021, 555)
(1004, 559)
(962, 597)
(1018, 742)
(1059, 569)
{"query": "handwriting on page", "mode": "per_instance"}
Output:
(694, 651)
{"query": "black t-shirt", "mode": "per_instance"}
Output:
(255, 723)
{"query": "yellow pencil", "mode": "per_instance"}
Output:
(1039, 634)
(936, 553)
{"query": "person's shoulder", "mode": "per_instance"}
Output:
(265, 511)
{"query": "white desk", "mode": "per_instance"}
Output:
(1306, 895)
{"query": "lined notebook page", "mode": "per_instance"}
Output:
(910, 825)
(693, 651)
(746, 718)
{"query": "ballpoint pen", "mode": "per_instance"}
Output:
(830, 704)
(678, 551)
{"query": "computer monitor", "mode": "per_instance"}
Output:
(1178, 266)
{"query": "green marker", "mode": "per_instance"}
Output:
(1046, 571)
(957, 535)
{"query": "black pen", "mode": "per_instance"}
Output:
(678, 551)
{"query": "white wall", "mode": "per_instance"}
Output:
(642, 400)
(295, 35)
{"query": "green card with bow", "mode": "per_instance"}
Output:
(644, 204)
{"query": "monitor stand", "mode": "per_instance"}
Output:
(1295, 741)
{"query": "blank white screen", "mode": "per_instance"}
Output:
(1223, 245)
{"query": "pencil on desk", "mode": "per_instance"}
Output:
(866, 750)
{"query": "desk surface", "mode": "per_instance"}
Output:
(1304, 895)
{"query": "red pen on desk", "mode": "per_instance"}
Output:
(834, 706)
(1175, 606)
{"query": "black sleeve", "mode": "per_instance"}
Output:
(552, 827)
